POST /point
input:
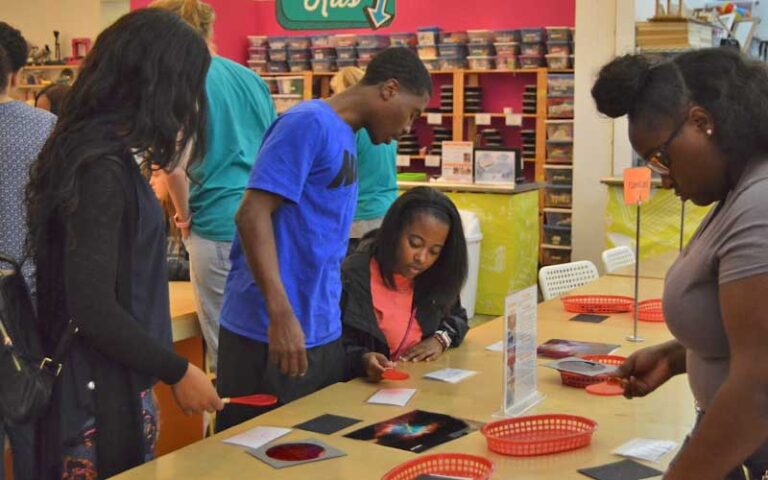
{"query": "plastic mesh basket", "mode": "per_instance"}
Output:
(456, 464)
(539, 434)
(650, 311)
(582, 381)
(597, 303)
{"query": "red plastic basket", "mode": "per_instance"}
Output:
(456, 464)
(650, 311)
(583, 381)
(538, 434)
(597, 303)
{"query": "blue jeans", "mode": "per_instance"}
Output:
(22, 439)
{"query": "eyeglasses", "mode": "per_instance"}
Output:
(658, 160)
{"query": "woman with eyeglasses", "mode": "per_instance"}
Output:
(701, 121)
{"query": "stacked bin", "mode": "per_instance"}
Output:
(559, 48)
(558, 170)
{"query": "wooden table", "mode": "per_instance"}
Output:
(653, 267)
(668, 414)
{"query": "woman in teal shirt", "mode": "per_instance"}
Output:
(240, 110)
(376, 171)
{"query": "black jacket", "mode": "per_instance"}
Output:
(361, 332)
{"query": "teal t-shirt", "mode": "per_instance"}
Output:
(240, 110)
(377, 177)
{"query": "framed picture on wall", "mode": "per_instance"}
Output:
(498, 166)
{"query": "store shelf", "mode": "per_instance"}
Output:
(51, 67)
(32, 87)
(472, 187)
(557, 210)
(515, 71)
(424, 115)
(561, 70)
(556, 247)
(499, 115)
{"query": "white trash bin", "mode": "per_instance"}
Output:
(471, 224)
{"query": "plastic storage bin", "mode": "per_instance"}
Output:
(560, 236)
(278, 54)
(559, 47)
(481, 63)
(372, 41)
(504, 36)
(531, 61)
(427, 52)
(561, 130)
(367, 53)
(257, 66)
(562, 34)
(532, 35)
(289, 85)
(277, 42)
(557, 62)
(432, 64)
(481, 49)
(322, 40)
(558, 175)
(559, 152)
(324, 65)
(348, 62)
(322, 53)
(452, 63)
(560, 85)
(428, 36)
(480, 36)
(257, 40)
(532, 49)
(284, 102)
(453, 37)
(473, 236)
(260, 54)
(560, 107)
(554, 256)
(346, 53)
(403, 39)
(557, 196)
(558, 219)
(298, 42)
(277, 67)
(452, 50)
(345, 40)
(298, 54)
(299, 65)
(507, 62)
(507, 48)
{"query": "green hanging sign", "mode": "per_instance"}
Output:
(334, 14)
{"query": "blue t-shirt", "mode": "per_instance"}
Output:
(378, 177)
(240, 110)
(309, 158)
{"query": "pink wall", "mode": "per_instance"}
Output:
(238, 18)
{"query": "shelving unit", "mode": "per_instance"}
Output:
(44, 74)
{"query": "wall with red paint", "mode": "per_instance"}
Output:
(235, 19)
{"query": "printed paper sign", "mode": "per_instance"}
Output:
(637, 185)
(483, 118)
(434, 119)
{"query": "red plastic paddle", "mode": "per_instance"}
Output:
(392, 374)
(256, 400)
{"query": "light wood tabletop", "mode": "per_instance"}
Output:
(184, 322)
(653, 267)
(666, 414)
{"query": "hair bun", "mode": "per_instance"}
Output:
(619, 85)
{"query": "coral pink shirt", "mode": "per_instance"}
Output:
(393, 311)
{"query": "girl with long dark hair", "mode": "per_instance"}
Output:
(96, 233)
(400, 297)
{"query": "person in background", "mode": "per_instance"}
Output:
(699, 120)
(240, 111)
(51, 98)
(97, 235)
(400, 289)
(280, 322)
(23, 131)
(176, 254)
(376, 170)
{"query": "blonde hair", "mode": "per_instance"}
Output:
(198, 14)
(347, 77)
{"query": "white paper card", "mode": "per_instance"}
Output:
(508, 110)
(458, 163)
(645, 449)
(513, 120)
(432, 160)
(403, 160)
(496, 347)
(434, 119)
(393, 396)
(256, 437)
(520, 386)
(483, 118)
(450, 375)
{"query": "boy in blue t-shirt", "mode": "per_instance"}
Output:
(280, 322)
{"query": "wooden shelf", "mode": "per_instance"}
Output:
(556, 247)
(50, 67)
(515, 71)
(32, 87)
(499, 115)
(471, 187)
(424, 115)
(562, 70)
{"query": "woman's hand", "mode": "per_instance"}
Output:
(194, 393)
(424, 351)
(648, 369)
(374, 364)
